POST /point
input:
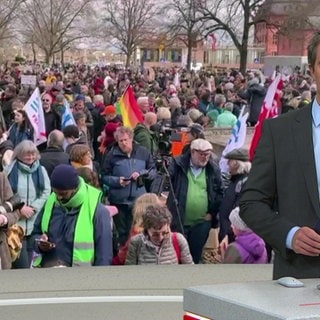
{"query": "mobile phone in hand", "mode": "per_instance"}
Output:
(126, 179)
(46, 243)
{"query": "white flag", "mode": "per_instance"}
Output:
(236, 140)
(176, 80)
(34, 111)
(67, 117)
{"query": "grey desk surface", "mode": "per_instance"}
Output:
(254, 300)
(112, 293)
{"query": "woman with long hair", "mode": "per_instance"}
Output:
(21, 128)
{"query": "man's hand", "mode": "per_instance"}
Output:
(27, 212)
(3, 220)
(124, 182)
(44, 245)
(223, 246)
(135, 176)
(307, 242)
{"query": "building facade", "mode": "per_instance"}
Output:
(286, 26)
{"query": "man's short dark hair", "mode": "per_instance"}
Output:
(71, 131)
(312, 49)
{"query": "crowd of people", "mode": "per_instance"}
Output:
(100, 193)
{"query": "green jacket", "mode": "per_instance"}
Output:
(145, 137)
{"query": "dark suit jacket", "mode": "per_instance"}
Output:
(282, 191)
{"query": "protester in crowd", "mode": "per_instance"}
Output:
(239, 168)
(281, 199)
(143, 134)
(80, 156)
(205, 102)
(227, 119)
(122, 171)
(195, 131)
(139, 208)
(198, 191)
(31, 182)
(80, 120)
(113, 121)
(99, 124)
(73, 137)
(79, 105)
(305, 99)
(143, 104)
(254, 94)
(157, 244)
(74, 206)
(21, 129)
(8, 216)
(6, 149)
(175, 109)
(51, 118)
(213, 113)
(247, 248)
(7, 99)
(54, 154)
(89, 176)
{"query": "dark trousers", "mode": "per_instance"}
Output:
(25, 258)
(123, 222)
(197, 236)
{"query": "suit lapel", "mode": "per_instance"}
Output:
(302, 134)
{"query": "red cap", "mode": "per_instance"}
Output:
(111, 109)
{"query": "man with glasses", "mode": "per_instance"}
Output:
(196, 195)
(51, 118)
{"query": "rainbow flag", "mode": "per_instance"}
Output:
(129, 109)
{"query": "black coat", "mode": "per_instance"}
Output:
(229, 202)
(255, 95)
(51, 157)
(178, 170)
(284, 172)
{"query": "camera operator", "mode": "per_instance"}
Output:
(144, 135)
(9, 214)
(195, 131)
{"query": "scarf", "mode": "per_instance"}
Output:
(77, 199)
(35, 170)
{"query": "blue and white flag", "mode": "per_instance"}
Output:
(67, 117)
(34, 111)
(236, 141)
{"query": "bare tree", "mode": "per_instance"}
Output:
(52, 25)
(235, 17)
(8, 10)
(184, 23)
(129, 23)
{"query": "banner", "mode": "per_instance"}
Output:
(67, 116)
(237, 139)
(269, 110)
(34, 111)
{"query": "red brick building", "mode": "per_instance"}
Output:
(288, 26)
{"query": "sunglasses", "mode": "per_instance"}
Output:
(45, 100)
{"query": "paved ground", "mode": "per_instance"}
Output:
(112, 293)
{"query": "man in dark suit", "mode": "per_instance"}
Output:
(281, 197)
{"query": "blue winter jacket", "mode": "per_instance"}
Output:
(117, 164)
